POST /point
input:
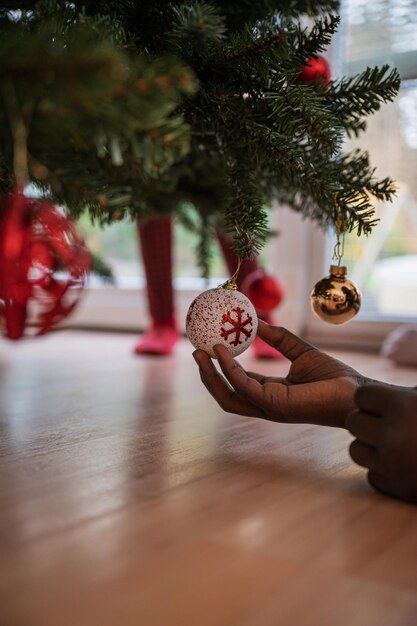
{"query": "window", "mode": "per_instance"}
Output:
(384, 265)
(123, 304)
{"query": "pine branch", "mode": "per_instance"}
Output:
(100, 268)
(276, 146)
(361, 95)
(148, 23)
(307, 7)
(360, 218)
(252, 47)
(89, 96)
(245, 217)
(197, 21)
(270, 52)
(205, 245)
(299, 112)
(240, 14)
(308, 43)
(111, 131)
(357, 171)
(327, 187)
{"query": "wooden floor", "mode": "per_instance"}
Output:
(127, 498)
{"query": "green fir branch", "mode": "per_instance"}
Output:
(307, 43)
(245, 217)
(89, 96)
(240, 14)
(118, 126)
(205, 252)
(249, 45)
(362, 95)
(198, 21)
(357, 171)
(299, 112)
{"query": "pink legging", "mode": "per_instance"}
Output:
(156, 244)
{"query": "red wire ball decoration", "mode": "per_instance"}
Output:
(263, 290)
(43, 265)
(315, 70)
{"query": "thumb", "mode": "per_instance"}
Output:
(282, 340)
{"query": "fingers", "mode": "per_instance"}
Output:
(374, 397)
(364, 426)
(245, 394)
(282, 340)
(386, 485)
(379, 482)
(246, 386)
(396, 487)
(365, 456)
(221, 391)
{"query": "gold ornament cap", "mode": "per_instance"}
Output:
(338, 270)
(229, 284)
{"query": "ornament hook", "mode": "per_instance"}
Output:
(231, 282)
(339, 248)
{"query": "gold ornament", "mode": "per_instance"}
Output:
(336, 299)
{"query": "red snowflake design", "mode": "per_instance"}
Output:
(238, 326)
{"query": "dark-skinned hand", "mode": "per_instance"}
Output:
(385, 427)
(318, 389)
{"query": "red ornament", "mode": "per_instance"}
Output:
(264, 291)
(43, 264)
(315, 70)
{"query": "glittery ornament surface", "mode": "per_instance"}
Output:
(221, 316)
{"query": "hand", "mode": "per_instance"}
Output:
(385, 427)
(317, 389)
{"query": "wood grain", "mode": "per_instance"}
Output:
(129, 498)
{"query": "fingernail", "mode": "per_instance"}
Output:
(195, 356)
(216, 349)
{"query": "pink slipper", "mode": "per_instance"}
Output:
(159, 339)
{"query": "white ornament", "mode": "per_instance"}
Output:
(221, 316)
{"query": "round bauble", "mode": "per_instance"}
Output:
(43, 265)
(315, 70)
(263, 290)
(221, 316)
(336, 299)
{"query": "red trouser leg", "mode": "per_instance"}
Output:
(247, 266)
(261, 349)
(156, 246)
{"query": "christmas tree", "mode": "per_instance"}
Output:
(135, 107)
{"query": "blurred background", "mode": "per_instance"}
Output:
(384, 266)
